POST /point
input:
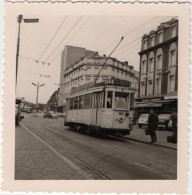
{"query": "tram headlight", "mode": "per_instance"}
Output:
(126, 114)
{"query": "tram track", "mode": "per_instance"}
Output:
(56, 146)
(91, 169)
(144, 142)
(130, 162)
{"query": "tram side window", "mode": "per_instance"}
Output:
(71, 103)
(87, 103)
(132, 102)
(76, 102)
(81, 102)
(109, 99)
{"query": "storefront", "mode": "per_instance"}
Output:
(161, 105)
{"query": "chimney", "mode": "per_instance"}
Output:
(104, 55)
(126, 62)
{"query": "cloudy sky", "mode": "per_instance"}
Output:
(97, 33)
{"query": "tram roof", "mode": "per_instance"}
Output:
(121, 83)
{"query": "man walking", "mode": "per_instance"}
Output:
(152, 125)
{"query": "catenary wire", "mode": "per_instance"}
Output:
(130, 32)
(64, 38)
(53, 37)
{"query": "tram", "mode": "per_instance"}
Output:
(106, 108)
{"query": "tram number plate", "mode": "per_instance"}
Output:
(121, 113)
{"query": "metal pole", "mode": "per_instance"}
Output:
(37, 98)
(20, 17)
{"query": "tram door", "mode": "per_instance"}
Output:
(97, 104)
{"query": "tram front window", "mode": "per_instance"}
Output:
(109, 99)
(121, 101)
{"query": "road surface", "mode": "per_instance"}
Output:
(45, 149)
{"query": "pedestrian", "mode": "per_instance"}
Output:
(152, 125)
(174, 122)
(16, 116)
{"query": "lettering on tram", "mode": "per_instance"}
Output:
(101, 108)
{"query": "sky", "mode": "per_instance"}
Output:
(97, 33)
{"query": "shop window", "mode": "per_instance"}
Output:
(87, 101)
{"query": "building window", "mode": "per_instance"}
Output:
(143, 66)
(160, 37)
(159, 62)
(152, 41)
(151, 65)
(150, 87)
(171, 84)
(145, 44)
(142, 90)
(173, 31)
(172, 57)
(158, 86)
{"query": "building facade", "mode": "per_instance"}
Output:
(70, 55)
(158, 74)
(87, 69)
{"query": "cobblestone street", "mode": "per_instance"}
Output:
(45, 149)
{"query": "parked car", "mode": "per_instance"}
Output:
(50, 115)
(143, 120)
(164, 121)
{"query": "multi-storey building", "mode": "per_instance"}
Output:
(158, 74)
(70, 55)
(87, 69)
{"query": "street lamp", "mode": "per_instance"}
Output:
(38, 86)
(19, 20)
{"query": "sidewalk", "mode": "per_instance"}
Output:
(139, 134)
(35, 161)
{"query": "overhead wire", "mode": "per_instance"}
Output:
(64, 38)
(53, 37)
(130, 32)
(79, 29)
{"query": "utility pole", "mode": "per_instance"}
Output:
(38, 86)
(19, 20)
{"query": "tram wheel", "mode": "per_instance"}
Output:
(88, 131)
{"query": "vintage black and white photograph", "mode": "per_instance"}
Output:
(98, 96)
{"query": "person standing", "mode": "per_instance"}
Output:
(153, 121)
(174, 122)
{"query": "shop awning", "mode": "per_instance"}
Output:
(170, 97)
(147, 105)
